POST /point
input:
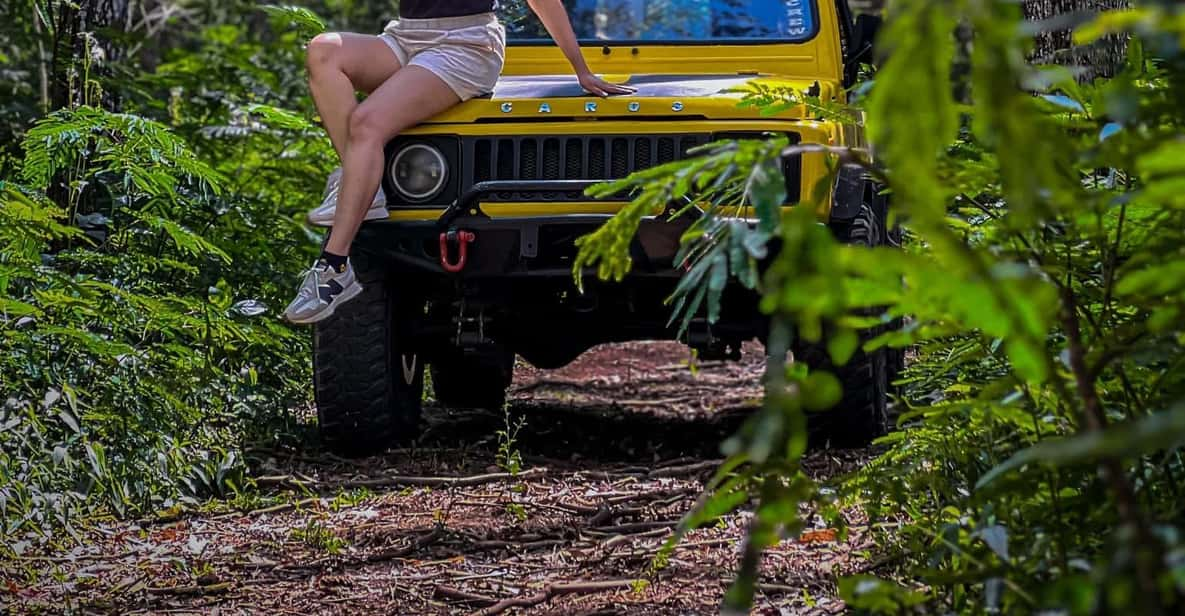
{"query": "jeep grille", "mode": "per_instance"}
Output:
(571, 157)
(559, 157)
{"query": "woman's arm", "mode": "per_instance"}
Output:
(555, 18)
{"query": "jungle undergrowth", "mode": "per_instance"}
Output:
(1036, 465)
(143, 255)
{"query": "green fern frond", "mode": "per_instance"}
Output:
(185, 240)
(305, 20)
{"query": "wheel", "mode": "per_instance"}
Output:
(368, 383)
(472, 381)
(862, 413)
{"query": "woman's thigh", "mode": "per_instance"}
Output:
(365, 58)
(409, 97)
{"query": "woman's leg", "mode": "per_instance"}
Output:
(409, 97)
(341, 64)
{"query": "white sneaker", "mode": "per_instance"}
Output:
(322, 215)
(321, 292)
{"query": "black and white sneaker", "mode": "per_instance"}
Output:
(321, 292)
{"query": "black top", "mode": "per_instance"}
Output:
(431, 9)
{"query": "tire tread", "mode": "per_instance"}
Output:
(363, 405)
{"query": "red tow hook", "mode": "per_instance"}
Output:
(463, 238)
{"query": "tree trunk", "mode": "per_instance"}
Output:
(80, 51)
(1055, 45)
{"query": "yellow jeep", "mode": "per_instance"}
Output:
(474, 264)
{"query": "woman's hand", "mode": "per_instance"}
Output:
(555, 18)
(595, 85)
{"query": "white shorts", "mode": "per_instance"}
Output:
(465, 52)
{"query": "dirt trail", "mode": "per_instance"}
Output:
(615, 449)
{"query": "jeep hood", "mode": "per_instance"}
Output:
(549, 97)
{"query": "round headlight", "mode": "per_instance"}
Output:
(419, 172)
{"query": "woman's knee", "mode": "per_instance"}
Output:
(369, 125)
(323, 51)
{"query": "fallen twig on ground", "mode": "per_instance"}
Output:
(189, 590)
(77, 557)
(635, 527)
(655, 402)
(280, 508)
(518, 546)
(413, 546)
(403, 480)
(456, 594)
(551, 591)
(687, 469)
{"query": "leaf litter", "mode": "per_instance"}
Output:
(616, 447)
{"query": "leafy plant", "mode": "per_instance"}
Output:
(518, 511)
(509, 458)
(1037, 460)
(319, 537)
(142, 254)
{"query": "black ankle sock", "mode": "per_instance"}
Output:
(337, 262)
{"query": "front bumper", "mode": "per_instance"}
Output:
(536, 246)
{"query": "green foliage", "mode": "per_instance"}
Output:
(518, 511)
(728, 178)
(318, 536)
(509, 458)
(144, 256)
(1067, 442)
(771, 101)
(306, 21)
(1037, 462)
(877, 596)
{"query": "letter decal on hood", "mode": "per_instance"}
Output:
(590, 107)
(507, 107)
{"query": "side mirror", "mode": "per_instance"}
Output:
(860, 46)
(864, 37)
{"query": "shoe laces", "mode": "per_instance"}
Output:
(311, 279)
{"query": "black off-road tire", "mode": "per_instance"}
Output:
(368, 383)
(472, 382)
(862, 414)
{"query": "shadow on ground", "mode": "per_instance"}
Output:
(590, 434)
(640, 402)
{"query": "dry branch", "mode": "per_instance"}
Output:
(189, 590)
(656, 401)
(688, 469)
(565, 508)
(78, 557)
(456, 594)
(636, 527)
(403, 481)
(518, 546)
(415, 545)
(551, 591)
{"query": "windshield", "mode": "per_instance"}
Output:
(683, 21)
